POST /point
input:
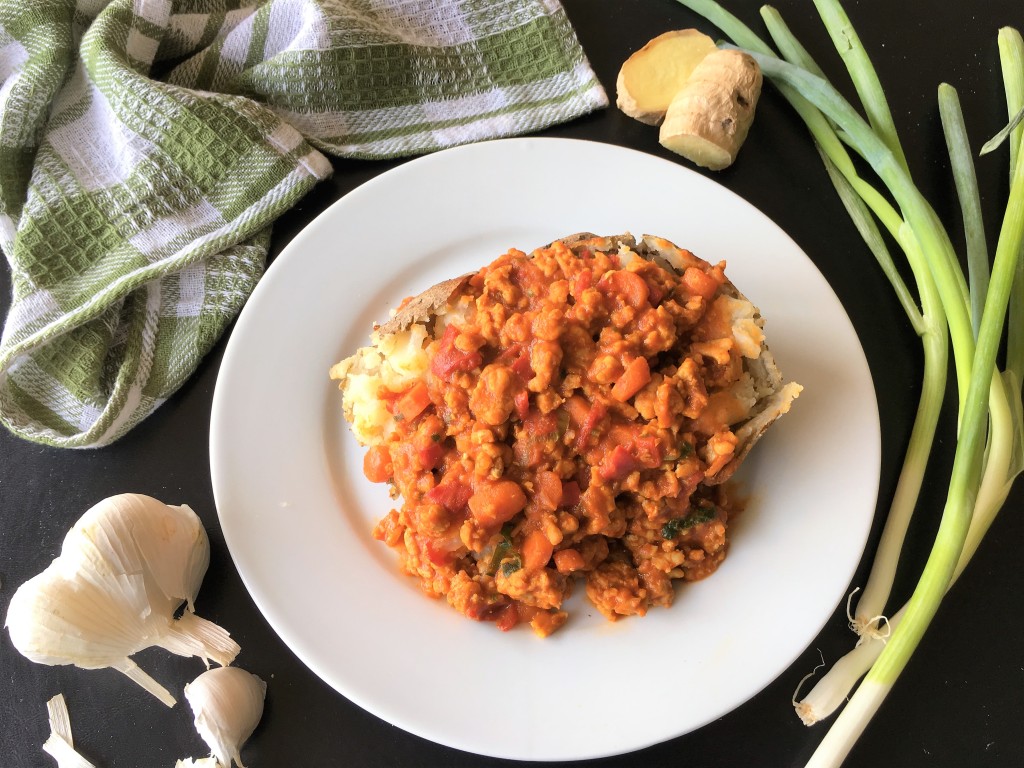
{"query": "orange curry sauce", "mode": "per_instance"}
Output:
(563, 433)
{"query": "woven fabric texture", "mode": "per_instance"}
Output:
(147, 146)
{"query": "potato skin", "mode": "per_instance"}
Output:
(424, 306)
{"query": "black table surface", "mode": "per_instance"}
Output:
(961, 698)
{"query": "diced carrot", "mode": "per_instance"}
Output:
(377, 464)
(536, 550)
(629, 286)
(636, 376)
(414, 401)
(699, 283)
(495, 503)
(568, 560)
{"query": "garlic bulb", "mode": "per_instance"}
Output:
(228, 704)
(124, 569)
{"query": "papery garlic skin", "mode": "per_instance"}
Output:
(60, 745)
(228, 705)
(124, 569)
(202, 762)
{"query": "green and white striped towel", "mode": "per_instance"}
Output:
(146, 147)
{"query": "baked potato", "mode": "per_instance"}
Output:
(573, 413)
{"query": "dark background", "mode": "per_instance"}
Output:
(960, 700)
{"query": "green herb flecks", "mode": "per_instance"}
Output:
(501, 549)
(703, 514)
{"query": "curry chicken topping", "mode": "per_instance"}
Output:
(568, 415)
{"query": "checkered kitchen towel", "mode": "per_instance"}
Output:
(146, 147)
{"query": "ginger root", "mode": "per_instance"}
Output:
(652, 76)
(708, 119)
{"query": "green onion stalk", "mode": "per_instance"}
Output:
(1011, 57)
(990, 445)
(951, 539)
(929, 322)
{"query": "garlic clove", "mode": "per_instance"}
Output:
(228, 704)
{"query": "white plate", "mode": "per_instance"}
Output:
(297, 512)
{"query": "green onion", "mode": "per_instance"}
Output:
(1011, 59)
(990, 446)
(501, 549)
(684, 450)
(970, 200)
(929, 323)
(941, 568)
(997, 141)
(510, 566)
(865, 80)
(563, 422)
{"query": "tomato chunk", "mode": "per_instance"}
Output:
(448, 358)
(495, 503)
(522, 403)
(453, 495)
(570, 494)
(429, 454)
(507, 618)
(657, 293)
(583, 280)
(377, 464)
(522, 368)
(598, 411)
(638, 453)
(440, 553)
(617, 464)
(636, 376)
